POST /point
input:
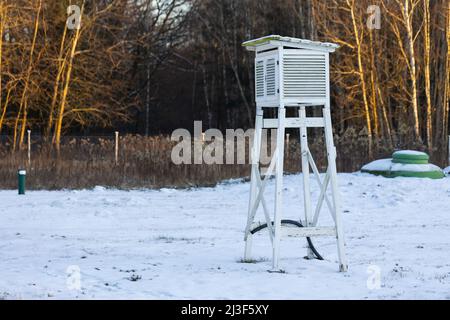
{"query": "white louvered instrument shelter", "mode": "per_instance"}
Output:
(290, 71)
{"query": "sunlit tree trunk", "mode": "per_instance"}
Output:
(427, 62)
(56, 86)
(2, 26)
(23, 107)
(361, 74)
(408, 10)
(447, 82)
(65, 90)
(373, 84)
(404, 17)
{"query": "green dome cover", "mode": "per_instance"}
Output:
(390, 169)
(410, 157)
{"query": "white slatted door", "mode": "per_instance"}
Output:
(305, 76)
(266, 80)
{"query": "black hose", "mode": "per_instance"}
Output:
(297, 224)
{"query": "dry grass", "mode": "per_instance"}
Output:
(145, 162)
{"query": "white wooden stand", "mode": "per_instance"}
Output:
(259, 182)
(293, 73)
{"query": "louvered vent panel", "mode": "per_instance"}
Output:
(259, 75)
(304, 76)
(270, 77)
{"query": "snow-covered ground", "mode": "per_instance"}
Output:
(179, 244)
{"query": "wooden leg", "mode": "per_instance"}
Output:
(248, 248)
(279, 188)
(343, 266)
(256, 149)
(306, 176)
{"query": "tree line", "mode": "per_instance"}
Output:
(150, 66)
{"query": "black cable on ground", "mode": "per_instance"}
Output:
(297, 224)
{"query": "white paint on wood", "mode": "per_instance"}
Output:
(310, 122)
(286, 77)
(29, 147)
(116, 147)
(309, 231)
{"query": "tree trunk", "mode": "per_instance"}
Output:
(412, 61)
(446, 97)
(23, 100)
(373, 85)
(427, 62)
(65, 91)
(361, 73)
(5, 107)
(61, 66)
(2, 23)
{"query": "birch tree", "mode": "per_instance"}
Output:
(427, 70)
(23, 106)
(402, 19)
(68, 75)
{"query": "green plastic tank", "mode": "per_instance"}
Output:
(405, 163)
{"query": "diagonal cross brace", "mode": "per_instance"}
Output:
(323, 191)
(261, 184)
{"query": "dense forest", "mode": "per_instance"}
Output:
(150, 66)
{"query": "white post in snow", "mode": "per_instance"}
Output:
(288, 135)
(116, 153)
(29, 147)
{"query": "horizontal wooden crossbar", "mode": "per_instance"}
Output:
(308, 232)
(312, 122)
(301, 232)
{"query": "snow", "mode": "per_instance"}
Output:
(388, 165)
(414, 167)
(181, 244)
(447, 171)
(378, 165)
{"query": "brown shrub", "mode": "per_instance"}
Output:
(145, 162)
